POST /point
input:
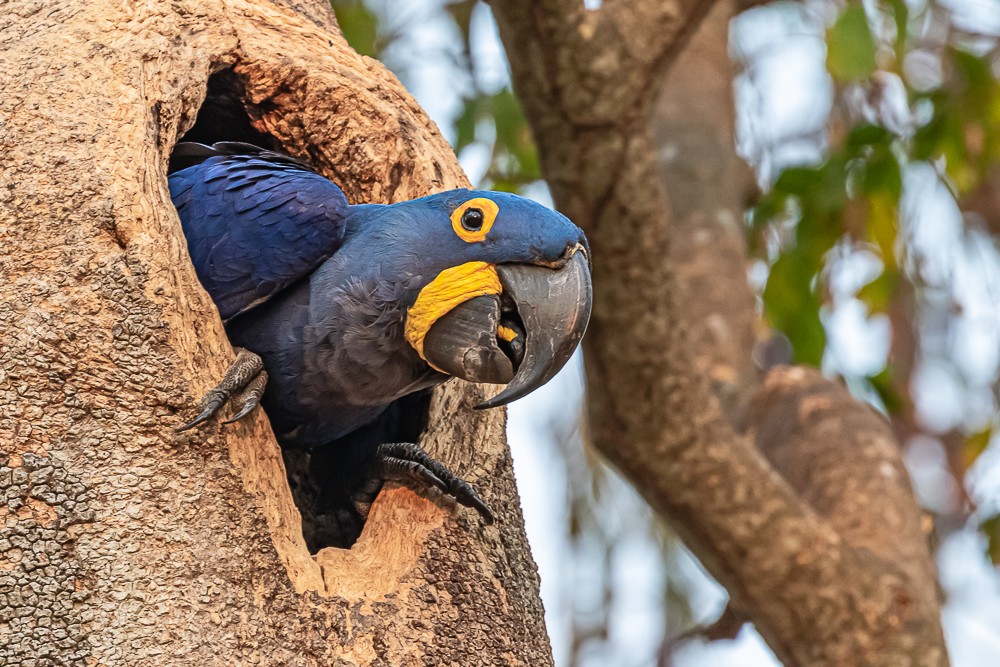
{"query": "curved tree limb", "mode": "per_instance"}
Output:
(707, 186)
(766, 521)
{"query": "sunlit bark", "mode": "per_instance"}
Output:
(122, 543)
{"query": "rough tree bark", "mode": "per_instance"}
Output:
(122, 543)
(814, 531)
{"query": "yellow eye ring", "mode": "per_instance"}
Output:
(473, 220)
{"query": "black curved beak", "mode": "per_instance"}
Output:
(522, 337)
(554, 308)
(464, 343)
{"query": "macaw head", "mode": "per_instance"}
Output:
(500, 285)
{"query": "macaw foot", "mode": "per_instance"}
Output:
(408, 464)
(243, 384)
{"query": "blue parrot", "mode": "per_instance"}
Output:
(344, 316)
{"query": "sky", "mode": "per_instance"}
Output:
(786, 93)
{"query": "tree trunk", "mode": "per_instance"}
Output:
(123, 543)
(814, 531)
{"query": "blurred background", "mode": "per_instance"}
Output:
(873, 133)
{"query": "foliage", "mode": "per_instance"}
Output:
(889, 117)
(360, 26)
(850, 47)
(496, 120)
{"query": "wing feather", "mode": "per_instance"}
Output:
(255, 221)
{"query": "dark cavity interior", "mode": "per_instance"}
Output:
(323, 479)
(223, 115)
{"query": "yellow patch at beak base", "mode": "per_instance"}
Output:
(452, 287)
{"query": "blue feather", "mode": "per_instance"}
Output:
(319, 289)
(255, 224)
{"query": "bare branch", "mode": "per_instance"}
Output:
(705, 183)
(805, 425)
(574, 57)
(819, 597)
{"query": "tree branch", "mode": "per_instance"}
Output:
(816, 597)
(805, 424)
(575, 57)
(706, 186)
(319, 12)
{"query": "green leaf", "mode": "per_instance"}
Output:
(883, 226)
(509, 118)
(901, 15)
(883, 385)
(882, 174)
(830, 191)
(822, 203)
(927, 139)
(820, 192)
(797, 180)
(768, 207)
(991, 529)
(514, 137)
(867, 135)
(817, 232)
(878, 293)
(964, 126)
(792, 306)
(976, 71)
(850, 47)
(514, 160)
(975, 445)
(465, 124)
(359, 25)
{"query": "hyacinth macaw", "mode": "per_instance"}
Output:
(341, 313)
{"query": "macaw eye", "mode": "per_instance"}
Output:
(473, 220)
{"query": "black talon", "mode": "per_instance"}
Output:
(408, 464)
(211, 407)
(400, 470)
(249, 398)
(466, 495)
(247, 376)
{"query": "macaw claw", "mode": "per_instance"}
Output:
(249, 398)
(408, 464)
(246, 378)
